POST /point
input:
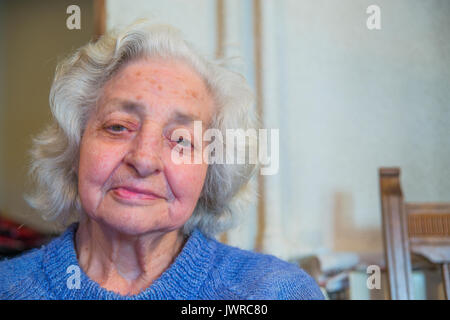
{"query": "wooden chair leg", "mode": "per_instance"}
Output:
(446, 280)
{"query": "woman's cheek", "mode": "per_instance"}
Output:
(94, 161)
(97, 162)
(186, 183)
(189, 180)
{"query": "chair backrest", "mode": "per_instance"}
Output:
(420, 228)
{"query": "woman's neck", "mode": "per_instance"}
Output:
(122, 263)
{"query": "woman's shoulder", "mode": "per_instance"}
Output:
(19, 273)
(27, 276)
(256, 275)
(23, 263)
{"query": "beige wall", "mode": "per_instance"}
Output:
(350, 100)
(34, 37)
(2, 97)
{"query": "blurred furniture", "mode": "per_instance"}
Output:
(411, 229)
(16, 239)
(331, 271)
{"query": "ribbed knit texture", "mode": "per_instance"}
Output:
(204, 269)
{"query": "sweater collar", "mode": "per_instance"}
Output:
(182, 280)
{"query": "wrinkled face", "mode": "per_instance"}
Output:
(127, 178)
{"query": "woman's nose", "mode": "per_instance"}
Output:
(145, 154)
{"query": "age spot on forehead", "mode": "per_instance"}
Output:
(192, 93)
(150, 80)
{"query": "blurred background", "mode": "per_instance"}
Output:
(346, 99)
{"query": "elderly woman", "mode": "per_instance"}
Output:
(145, 223)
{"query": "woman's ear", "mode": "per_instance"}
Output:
(75, 168)
(76, 164)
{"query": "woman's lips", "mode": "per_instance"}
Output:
(130, 194)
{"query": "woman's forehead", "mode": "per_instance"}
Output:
(161, 71)
(167, 83)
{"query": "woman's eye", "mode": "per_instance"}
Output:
(183, 142)
(116, 128)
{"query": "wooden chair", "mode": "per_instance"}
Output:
(412, 229)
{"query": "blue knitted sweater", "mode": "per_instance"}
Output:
(204, 269)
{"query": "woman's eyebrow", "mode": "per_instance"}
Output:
(179, 117)
(128, 106)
